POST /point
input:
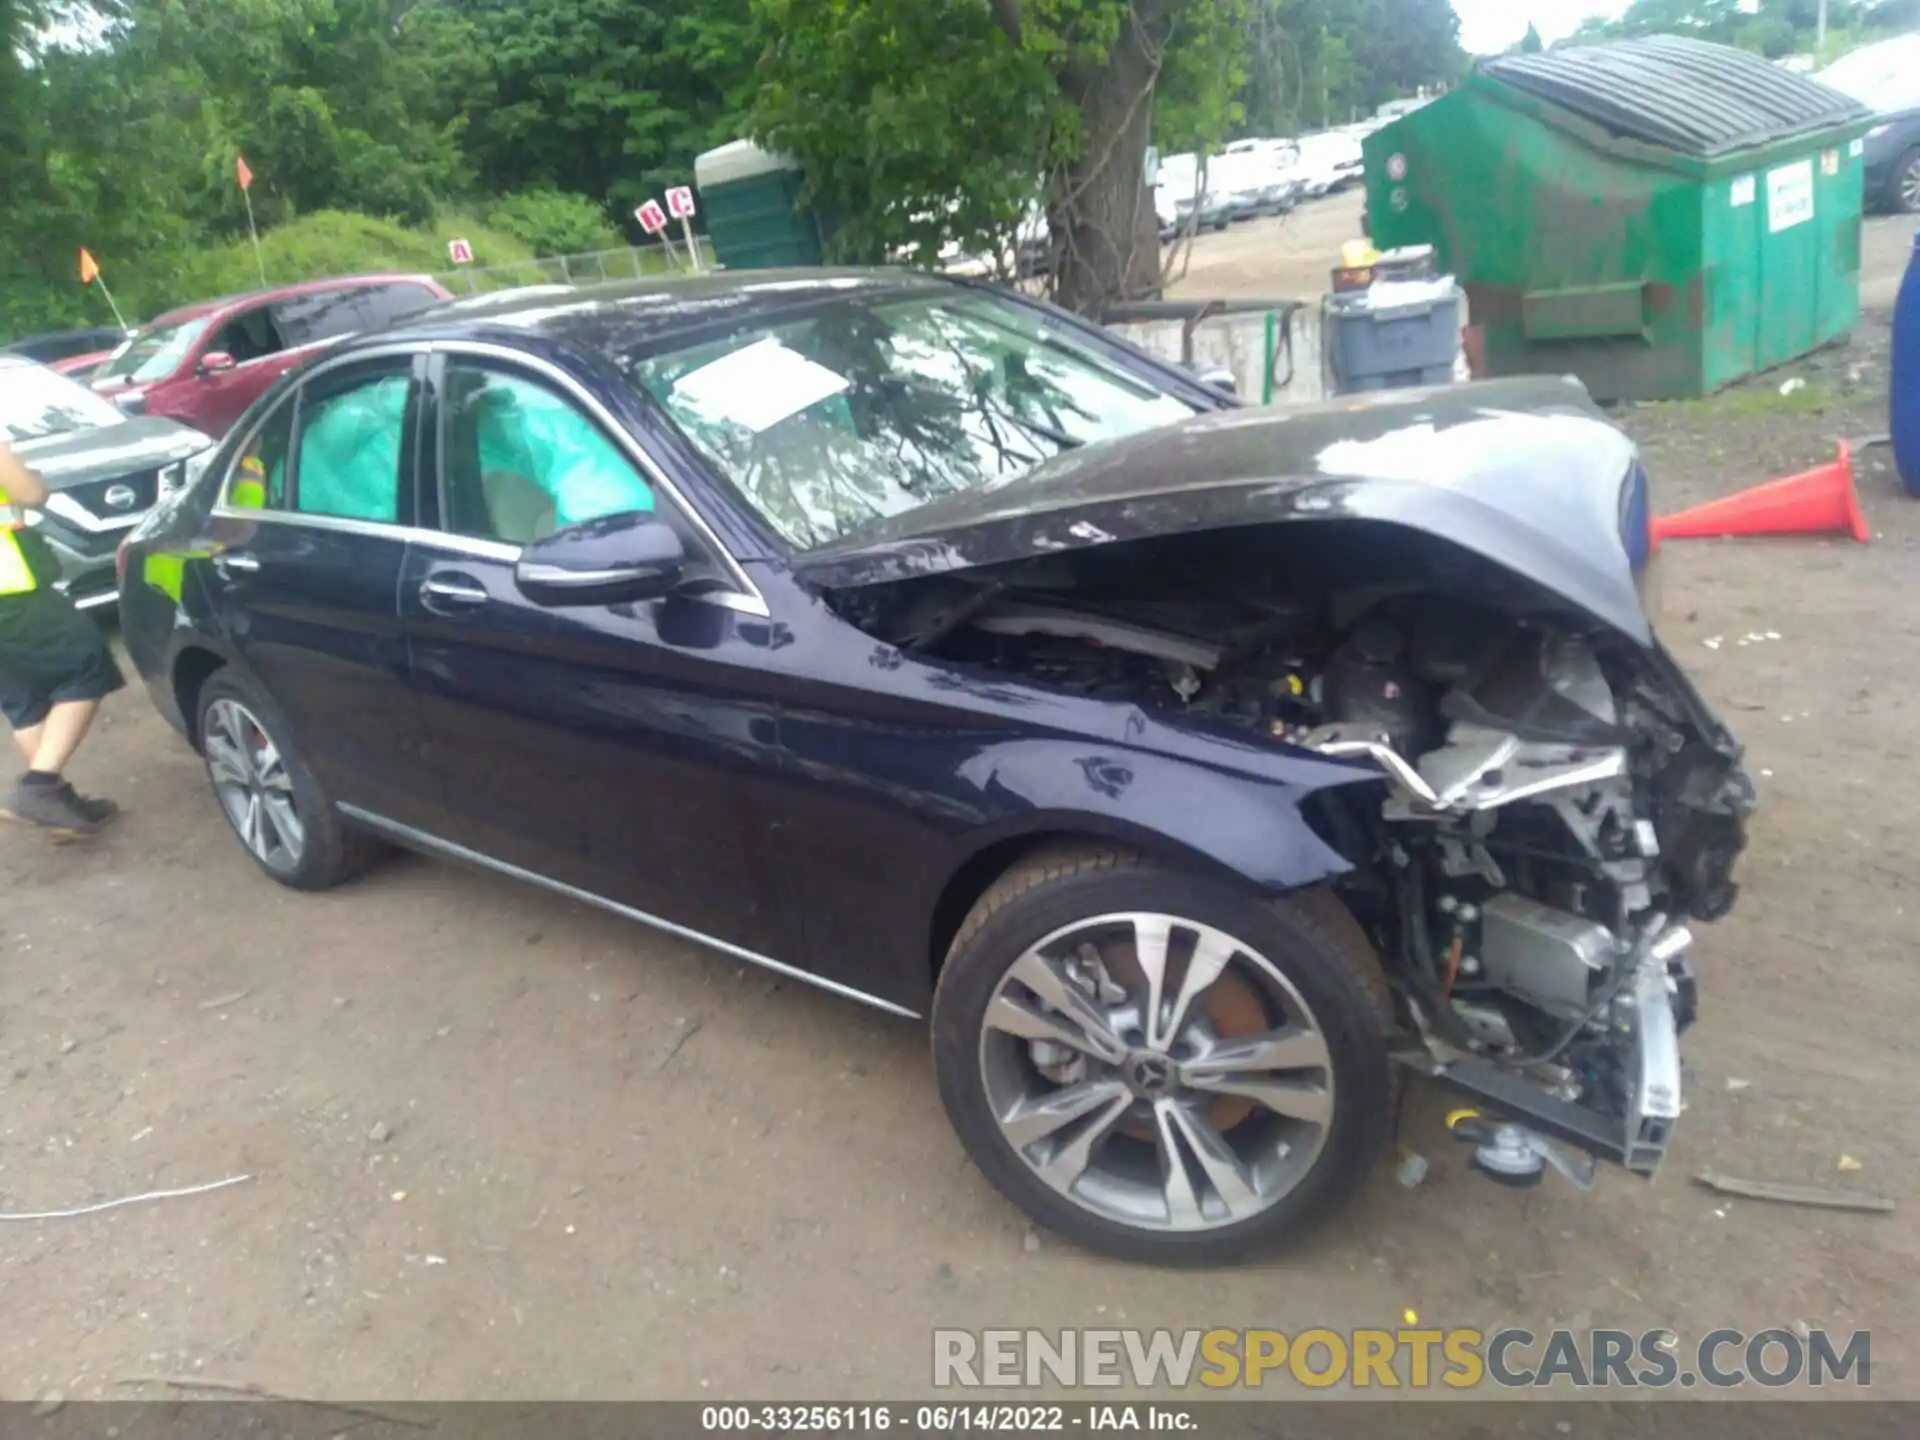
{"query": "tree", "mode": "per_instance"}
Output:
(1531, 43)
(609, 98)
(925, 122)
(1315, 63)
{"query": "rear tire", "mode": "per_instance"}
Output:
(1301, 1127)
(279, 812)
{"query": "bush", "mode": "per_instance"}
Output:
(553, 222)
(336, 242)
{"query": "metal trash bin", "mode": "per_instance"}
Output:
(1394, 335)
(1659, 216)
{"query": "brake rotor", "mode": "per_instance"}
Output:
(1232, 1006)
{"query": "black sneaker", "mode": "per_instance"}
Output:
(96, 809)
(54, 808)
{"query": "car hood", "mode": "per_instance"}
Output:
(1528, 474)
(83, 456)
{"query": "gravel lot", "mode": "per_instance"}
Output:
(502, 1146)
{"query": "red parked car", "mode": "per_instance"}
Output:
(204, 364)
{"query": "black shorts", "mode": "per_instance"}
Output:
(50, 654)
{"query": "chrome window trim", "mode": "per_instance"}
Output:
(340, 524)
(743, 597)
(420, 839)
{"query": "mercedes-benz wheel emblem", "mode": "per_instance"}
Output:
(120, 497)
(1149, 1074)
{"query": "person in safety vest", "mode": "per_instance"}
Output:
(55, 667)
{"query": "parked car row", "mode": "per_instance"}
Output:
(1254, 177)
(161, 396)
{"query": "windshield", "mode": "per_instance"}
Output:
(36, 403)
(153, 354)
(868, 409)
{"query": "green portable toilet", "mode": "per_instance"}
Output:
(1659, 217)
(751, 201)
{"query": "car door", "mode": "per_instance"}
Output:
(616, 750)
(310, 534)
(212, 396)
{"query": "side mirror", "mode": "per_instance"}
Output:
(214, 362)
(1220, 378)
(615, 561)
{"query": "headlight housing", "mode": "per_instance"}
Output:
(1877, 131)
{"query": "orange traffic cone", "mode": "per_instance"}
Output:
(1820, 501)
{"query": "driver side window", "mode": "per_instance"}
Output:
(249, 335)
(519, 460)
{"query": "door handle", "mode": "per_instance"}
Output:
(452, 591)
(246, 564)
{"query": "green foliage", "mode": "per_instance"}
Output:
(335, 242)
(552, 222)
(608, 98)
(918, 121)
(1316, 63)
(923, 122)
(1773, 28)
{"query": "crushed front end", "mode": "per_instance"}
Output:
(1547, 844)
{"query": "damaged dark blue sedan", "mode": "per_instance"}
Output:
(1191, 766)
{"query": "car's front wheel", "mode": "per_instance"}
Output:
(1903, 187)
(1157, 1065)
(276, 807)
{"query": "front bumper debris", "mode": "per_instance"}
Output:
(1655, 1006)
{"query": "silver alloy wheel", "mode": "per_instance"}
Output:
(250, 777)
(1910, 187)
(1113, 1091)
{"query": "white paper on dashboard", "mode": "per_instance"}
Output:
(759, 386)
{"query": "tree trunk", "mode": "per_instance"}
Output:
(1105, 231)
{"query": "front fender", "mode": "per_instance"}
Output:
(1252, 828)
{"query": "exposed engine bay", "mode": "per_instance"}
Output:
(1557, 804)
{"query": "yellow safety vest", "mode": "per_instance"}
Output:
(16, 576)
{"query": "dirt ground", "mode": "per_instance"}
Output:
(503, 1146)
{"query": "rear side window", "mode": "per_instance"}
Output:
(305, 319)
(352, 435)
(338, 450)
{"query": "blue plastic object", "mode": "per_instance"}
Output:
(1904, 402)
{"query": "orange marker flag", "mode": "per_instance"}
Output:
(242, 173)
(89, 267)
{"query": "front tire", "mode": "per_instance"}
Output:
(1903, 185)
(279, 812)
(1156, 1064)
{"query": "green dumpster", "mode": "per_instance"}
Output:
(1659, 217)
(751, 201)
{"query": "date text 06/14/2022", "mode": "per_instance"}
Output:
(947, 1419)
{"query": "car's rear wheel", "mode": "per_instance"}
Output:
(1158, 1065)
(276, 807)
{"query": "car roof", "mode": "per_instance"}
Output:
(221, 303)
(13, 347)
(623, 316)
